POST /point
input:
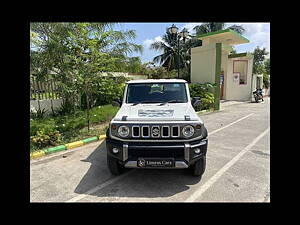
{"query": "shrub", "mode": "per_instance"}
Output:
(38, 114)
(205, 92)
(45, 138)
(63, 128)
(48, 125)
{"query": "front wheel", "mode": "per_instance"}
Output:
(199, 167)
(114, 167)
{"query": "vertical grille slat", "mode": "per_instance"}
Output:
(175, 131)
(135, 131)
(165, 131)
(145, 131)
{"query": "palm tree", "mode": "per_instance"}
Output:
(169, 46)
(212, 27)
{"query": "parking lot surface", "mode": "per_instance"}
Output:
(237, 167)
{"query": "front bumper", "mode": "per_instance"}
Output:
(182, 152)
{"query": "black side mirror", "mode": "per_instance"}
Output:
(196, 101)
(117, 102)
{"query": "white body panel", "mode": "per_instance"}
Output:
(155, 112)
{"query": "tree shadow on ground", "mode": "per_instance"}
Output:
(140, 183)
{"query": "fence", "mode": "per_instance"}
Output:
(40, 90)
(44, 95)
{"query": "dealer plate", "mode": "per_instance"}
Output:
(156, 162)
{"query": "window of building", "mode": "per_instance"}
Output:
(240, 66)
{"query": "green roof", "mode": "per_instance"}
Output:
(223, 31)
(240, 55)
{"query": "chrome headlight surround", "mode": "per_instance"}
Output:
(188, 131)
(123, 131)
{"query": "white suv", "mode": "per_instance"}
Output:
(156, 127)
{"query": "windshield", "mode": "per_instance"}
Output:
(156, 93)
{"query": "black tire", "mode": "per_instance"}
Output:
(114, 167)
(199, 167)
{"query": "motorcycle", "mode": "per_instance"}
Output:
(258, 95)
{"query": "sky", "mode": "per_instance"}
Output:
(257, 33)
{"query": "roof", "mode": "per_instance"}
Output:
(237, 55)
(226, 36)
(157, 81)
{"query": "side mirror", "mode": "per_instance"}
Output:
(196, 101)
(117, 102)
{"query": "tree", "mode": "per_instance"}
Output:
(169, 47)
(267, 66)
(76, 53)
(213, 26)
(258, 60)
(133, 65)
(266, 74)
(261, 65)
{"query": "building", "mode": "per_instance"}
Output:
(130, 76)
(213, 62)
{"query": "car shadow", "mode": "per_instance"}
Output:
(140, 183)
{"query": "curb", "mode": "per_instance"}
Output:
(71, 145)
(205, 111)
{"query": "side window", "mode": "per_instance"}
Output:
(240, 66)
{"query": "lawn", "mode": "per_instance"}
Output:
(52, 131)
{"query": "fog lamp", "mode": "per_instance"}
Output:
(197, 150)
(115, 150)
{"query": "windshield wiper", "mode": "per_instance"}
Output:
(171, 101)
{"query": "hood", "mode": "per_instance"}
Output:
(150, 112)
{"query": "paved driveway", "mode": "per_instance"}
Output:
(237, 170)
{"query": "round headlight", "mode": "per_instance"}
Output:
(123, 131)
(188, 131)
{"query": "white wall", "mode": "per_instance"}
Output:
(235, 91)
(203, 64)
(45, 104)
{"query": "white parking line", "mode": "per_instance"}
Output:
(103, 185)
(228, 125)
(214, 178)
(108, 182)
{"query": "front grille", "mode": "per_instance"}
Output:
(165, 132)
(155, 131)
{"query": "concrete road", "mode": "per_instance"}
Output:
(237, 170)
